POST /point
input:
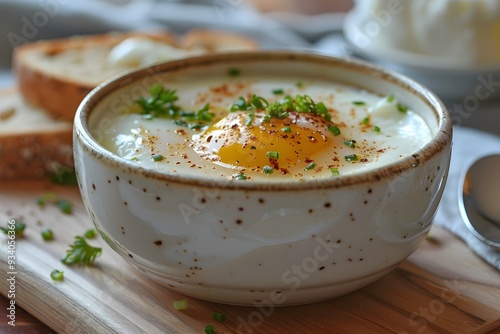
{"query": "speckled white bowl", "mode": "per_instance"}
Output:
(252, 242)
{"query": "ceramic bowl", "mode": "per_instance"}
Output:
(253, 242)
(450, 79)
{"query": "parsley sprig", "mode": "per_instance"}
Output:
(280, 109)
(80, 252)
(162, 104)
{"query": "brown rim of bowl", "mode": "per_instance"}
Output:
(439, 141)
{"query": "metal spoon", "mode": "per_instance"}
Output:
(480, 200)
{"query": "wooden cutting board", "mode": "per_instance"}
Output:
(441, 288)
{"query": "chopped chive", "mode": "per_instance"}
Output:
(359, 103)
(250, 118)
(402, 108)
(234, 72)
(48, 197)
(268, 170)
(310, 166)
(376, 129)
(18, 228)
(391, 98)
(209, 329)
(299, 84)
(266, 119)
(278, 91)
(134, 159)
(335, 171)
(286, 129)
(322, 109)
(65, 206)
(158, 158)
(273, 154)
(47, 234)
(334, 129)
(366, 120)
(181, 304)
(351, 157)
(218, 317)
(350, 143)
(240, 176)
(57, 275)
(90, 233)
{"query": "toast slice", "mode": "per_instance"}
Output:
(55, 75)
(32, 142)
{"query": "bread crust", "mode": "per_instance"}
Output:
(215, 40)
(31, 153)
(56, 94)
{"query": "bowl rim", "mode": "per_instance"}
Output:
(439, 141)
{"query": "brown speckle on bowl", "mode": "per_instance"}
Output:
(370, 191)
(126, 203)
(241, 208)
(123, 229)
(158, 198)
(261, 201)
(93, 186)
(158, 242)
(310, 211)
(239, 221)
(328, 204)
(130, 255)
(109, 181)
(349, 259)
(322, 267)
(117, 178)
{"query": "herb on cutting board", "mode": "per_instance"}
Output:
(80, 252)
(14, 226)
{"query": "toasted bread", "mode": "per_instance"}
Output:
(32, 142)
(55, 75)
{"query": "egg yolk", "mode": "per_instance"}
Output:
(283, 144)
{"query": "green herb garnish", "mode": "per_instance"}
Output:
(157, 158)
(335, 171)
(286, 129)
(366, 121)
(376, 129)
(233, 72)
(134, 159)
(49, 197)
(299, 84)
(181, 304)
(240, 176)
(81, 253)
(65, 206)
(268, 170)
(217, 316)
(350, 143)
(90, 234)
(273, 154)
(402, 108)
(57, 275)
(310, 166)
(351, 157)
(359, 103)
(209, 329)
(391, 98)
(278, 91)
(47, 234)
(161, 104)
(18, 228)
(334, 129)
(64, 175)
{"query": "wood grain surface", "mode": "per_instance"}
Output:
(441, 288)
